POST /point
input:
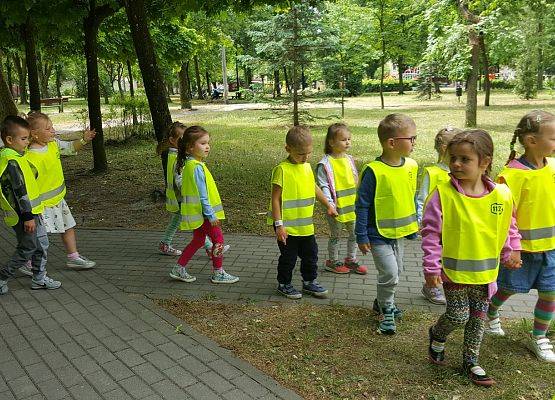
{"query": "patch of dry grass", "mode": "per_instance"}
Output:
(334, 352)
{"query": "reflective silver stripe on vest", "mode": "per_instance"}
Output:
(172, 202)
(191, 199)
(191, 218)
(539, 233)
(53, 193)
(36, 202)
(346, 192)
(346, 210)
(470, 265)
(298, 203)
(218, 207)
(298, 222)
(397, 223)
(10, 214)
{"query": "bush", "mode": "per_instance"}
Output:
(121, 117)
(389, 85)
(502, 84)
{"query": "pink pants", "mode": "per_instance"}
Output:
(216, 236)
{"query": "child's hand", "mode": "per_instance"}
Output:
(29, 226)
(332, 212)
(364, 247)
(216, 222)
(281, 234)
(514, 261)
(433, 281)
(89, 135)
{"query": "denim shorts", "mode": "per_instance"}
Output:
(537, 272)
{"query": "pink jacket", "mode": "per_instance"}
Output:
(432, 222)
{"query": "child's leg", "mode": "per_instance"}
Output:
(216, 236)
(351, 240)
(543, 313)
(196, 243)
(497, 301)
(476, 325)
(333, 242)
(287, 259)
(385, 259)
(25, 248)
(40, 256)
(456, 314)
(171, 228)
(70, 241)
(308, 253)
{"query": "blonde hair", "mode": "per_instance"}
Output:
(393, 123)
(443, 137)
(34, 117)
(333, 131)
(530, 124)
(173, 131)
(298, 136)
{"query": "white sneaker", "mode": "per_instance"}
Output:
(493, 327)
(180, 273)
(80, 263)
(27, 269)
(542, 348)
(46, 283)
(3, 287)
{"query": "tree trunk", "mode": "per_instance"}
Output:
(277, 83)
(472, 83)
(7, 105)
(184, 97)
(21, 68)
(485, 60)
(132, 92)
(208, 88)
(295, 97)
(197, 77)
(303, 86)
(28, 36)
(91, 24)
(45, 70)
(287, 83)
(401, 68)
(9, 75)
(540, 55)
(119, 70)
(238, 93)
(58, 70)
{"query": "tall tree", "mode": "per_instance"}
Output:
(7, 105)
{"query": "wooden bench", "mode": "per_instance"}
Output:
(55, 102)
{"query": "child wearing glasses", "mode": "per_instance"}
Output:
(386, 212)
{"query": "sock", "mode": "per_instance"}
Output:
(497, 301)
(543, 312)
(437, 346)
(73, 256)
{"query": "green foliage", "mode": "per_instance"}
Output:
(389, 85)
(502, 84)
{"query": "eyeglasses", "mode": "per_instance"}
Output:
(411, 138)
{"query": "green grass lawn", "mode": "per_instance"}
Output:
(246, 144)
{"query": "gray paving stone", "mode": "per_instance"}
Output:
(215, 382)
(117, 394)
(53, 389)
(6, 395)
(22, 387)
(149, 373)
(55, 359)
(11, 370)
(136, 387)
(169, 391)
(85, 364)
(201, 392)
(142, 346)
(160, 360)
(38, 372)
(101, 381)
(249, 385)
(86, 340)
(69, 376)
(130, 357)
(101, 354)
(27, 357)
(180, 376)
(114, 343)
(236, 394)
(117, 370)
(84, 391)
(72, 350)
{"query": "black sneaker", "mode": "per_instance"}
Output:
(477, 375)
(436, 357)
(387, 322)
(315, 289)
(397, 312)
(289, 291)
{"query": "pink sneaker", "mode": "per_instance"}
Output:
(168, 250)
(336, 267)
(355, 266)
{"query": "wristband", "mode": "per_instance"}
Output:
(83, 141)
(278, 223)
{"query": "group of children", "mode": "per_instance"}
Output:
(483, 241)
(32, 197)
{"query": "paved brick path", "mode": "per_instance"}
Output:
(99, 337)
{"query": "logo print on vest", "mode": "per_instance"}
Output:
(496, 208)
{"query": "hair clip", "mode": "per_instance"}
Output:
(448, 128)
(538, 118)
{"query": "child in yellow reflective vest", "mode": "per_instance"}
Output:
(467, 227)
(201, 207)
(431, 176)
(531, 178)
(44, 156)
(337, 176)
(291, 209)
(22, 207)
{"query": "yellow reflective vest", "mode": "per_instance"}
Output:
(436, 176)
(473, 233)
(191, 207)
(298, 193)
(172, 194)
(10, 216)
(345, 188)
(534, 196)
(50, 176)
(394, 198)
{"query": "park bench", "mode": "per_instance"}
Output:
(55, 102)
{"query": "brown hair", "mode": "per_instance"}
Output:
(190, 136)
(173, 131)
(393, 123)
(34, 117)
(530, 124)
(10, 124)
(443, 137)
(481, 143)
(298, 136)
(333, 131)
